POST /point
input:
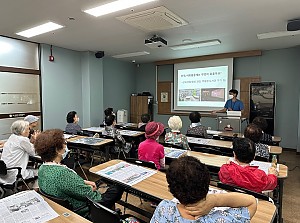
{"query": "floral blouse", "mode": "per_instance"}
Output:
(262, 150)
(177, 138)
(167, 212)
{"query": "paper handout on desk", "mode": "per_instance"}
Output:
(95, 129)
(126, 173)
(68, 136)
(264, 166)
(128, 132)
(88, 141)
(200, 141)
(25, 207)
(174, 153)
(213, 132)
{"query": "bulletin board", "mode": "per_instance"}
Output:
(164, 97)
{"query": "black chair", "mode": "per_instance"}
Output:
(176, 146)
(122, 149)
(213, 150)
(100, 213)
(234, 188)
(195, 136)
(259, 158)
(61, 201)
(13, 186)
(141, 163)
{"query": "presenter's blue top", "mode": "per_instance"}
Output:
(234, 105)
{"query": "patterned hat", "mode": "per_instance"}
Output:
(153, 130)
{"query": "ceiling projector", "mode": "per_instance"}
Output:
(156, 42)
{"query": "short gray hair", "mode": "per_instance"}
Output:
(18, 127)
(175, 123)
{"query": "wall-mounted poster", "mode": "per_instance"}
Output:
(164, 97)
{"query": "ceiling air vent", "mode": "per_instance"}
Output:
(155, 19)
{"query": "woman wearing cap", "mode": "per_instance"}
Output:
(175, 137)
(33, 122)
(150, 150)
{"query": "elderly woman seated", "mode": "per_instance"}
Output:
(175, 137)
(254, 133)
(16, 152)
(73, 127)
(58, 180)
(188, 181)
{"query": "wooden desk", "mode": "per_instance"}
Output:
(131, 133)
(228, 134)
(73, 217)
(128, 126)
(218, 161)
(226, 144)
(157, 186)
(96, 146)
(103, 142)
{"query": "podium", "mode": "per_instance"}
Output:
(232, 121)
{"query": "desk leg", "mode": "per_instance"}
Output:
(106, 153)
(280, 195)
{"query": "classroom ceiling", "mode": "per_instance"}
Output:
(235, 23)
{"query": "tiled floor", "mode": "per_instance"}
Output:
(291, 194)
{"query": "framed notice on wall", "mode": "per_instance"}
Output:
(164, 97)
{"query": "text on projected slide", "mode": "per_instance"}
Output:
(203, 86)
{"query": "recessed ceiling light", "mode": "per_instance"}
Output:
(44, 28)
(196, 45)
(135, 54)
(115, 6)
(277, 34)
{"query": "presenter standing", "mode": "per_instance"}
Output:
(232, 104)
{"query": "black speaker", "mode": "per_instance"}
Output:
(293, 25)
(99, 54)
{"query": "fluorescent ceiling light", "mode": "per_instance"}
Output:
(277, 34)
(115, 6)
(44, 28)
(135, 54)
(196, 45)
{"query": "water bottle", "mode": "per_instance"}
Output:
(96, 135)
(274, 161)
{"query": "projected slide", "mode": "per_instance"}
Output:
(202, 86)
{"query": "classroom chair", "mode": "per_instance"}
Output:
(61, 201)
(176, 146)
(13, 186)
(100, 213)
(234, 188)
